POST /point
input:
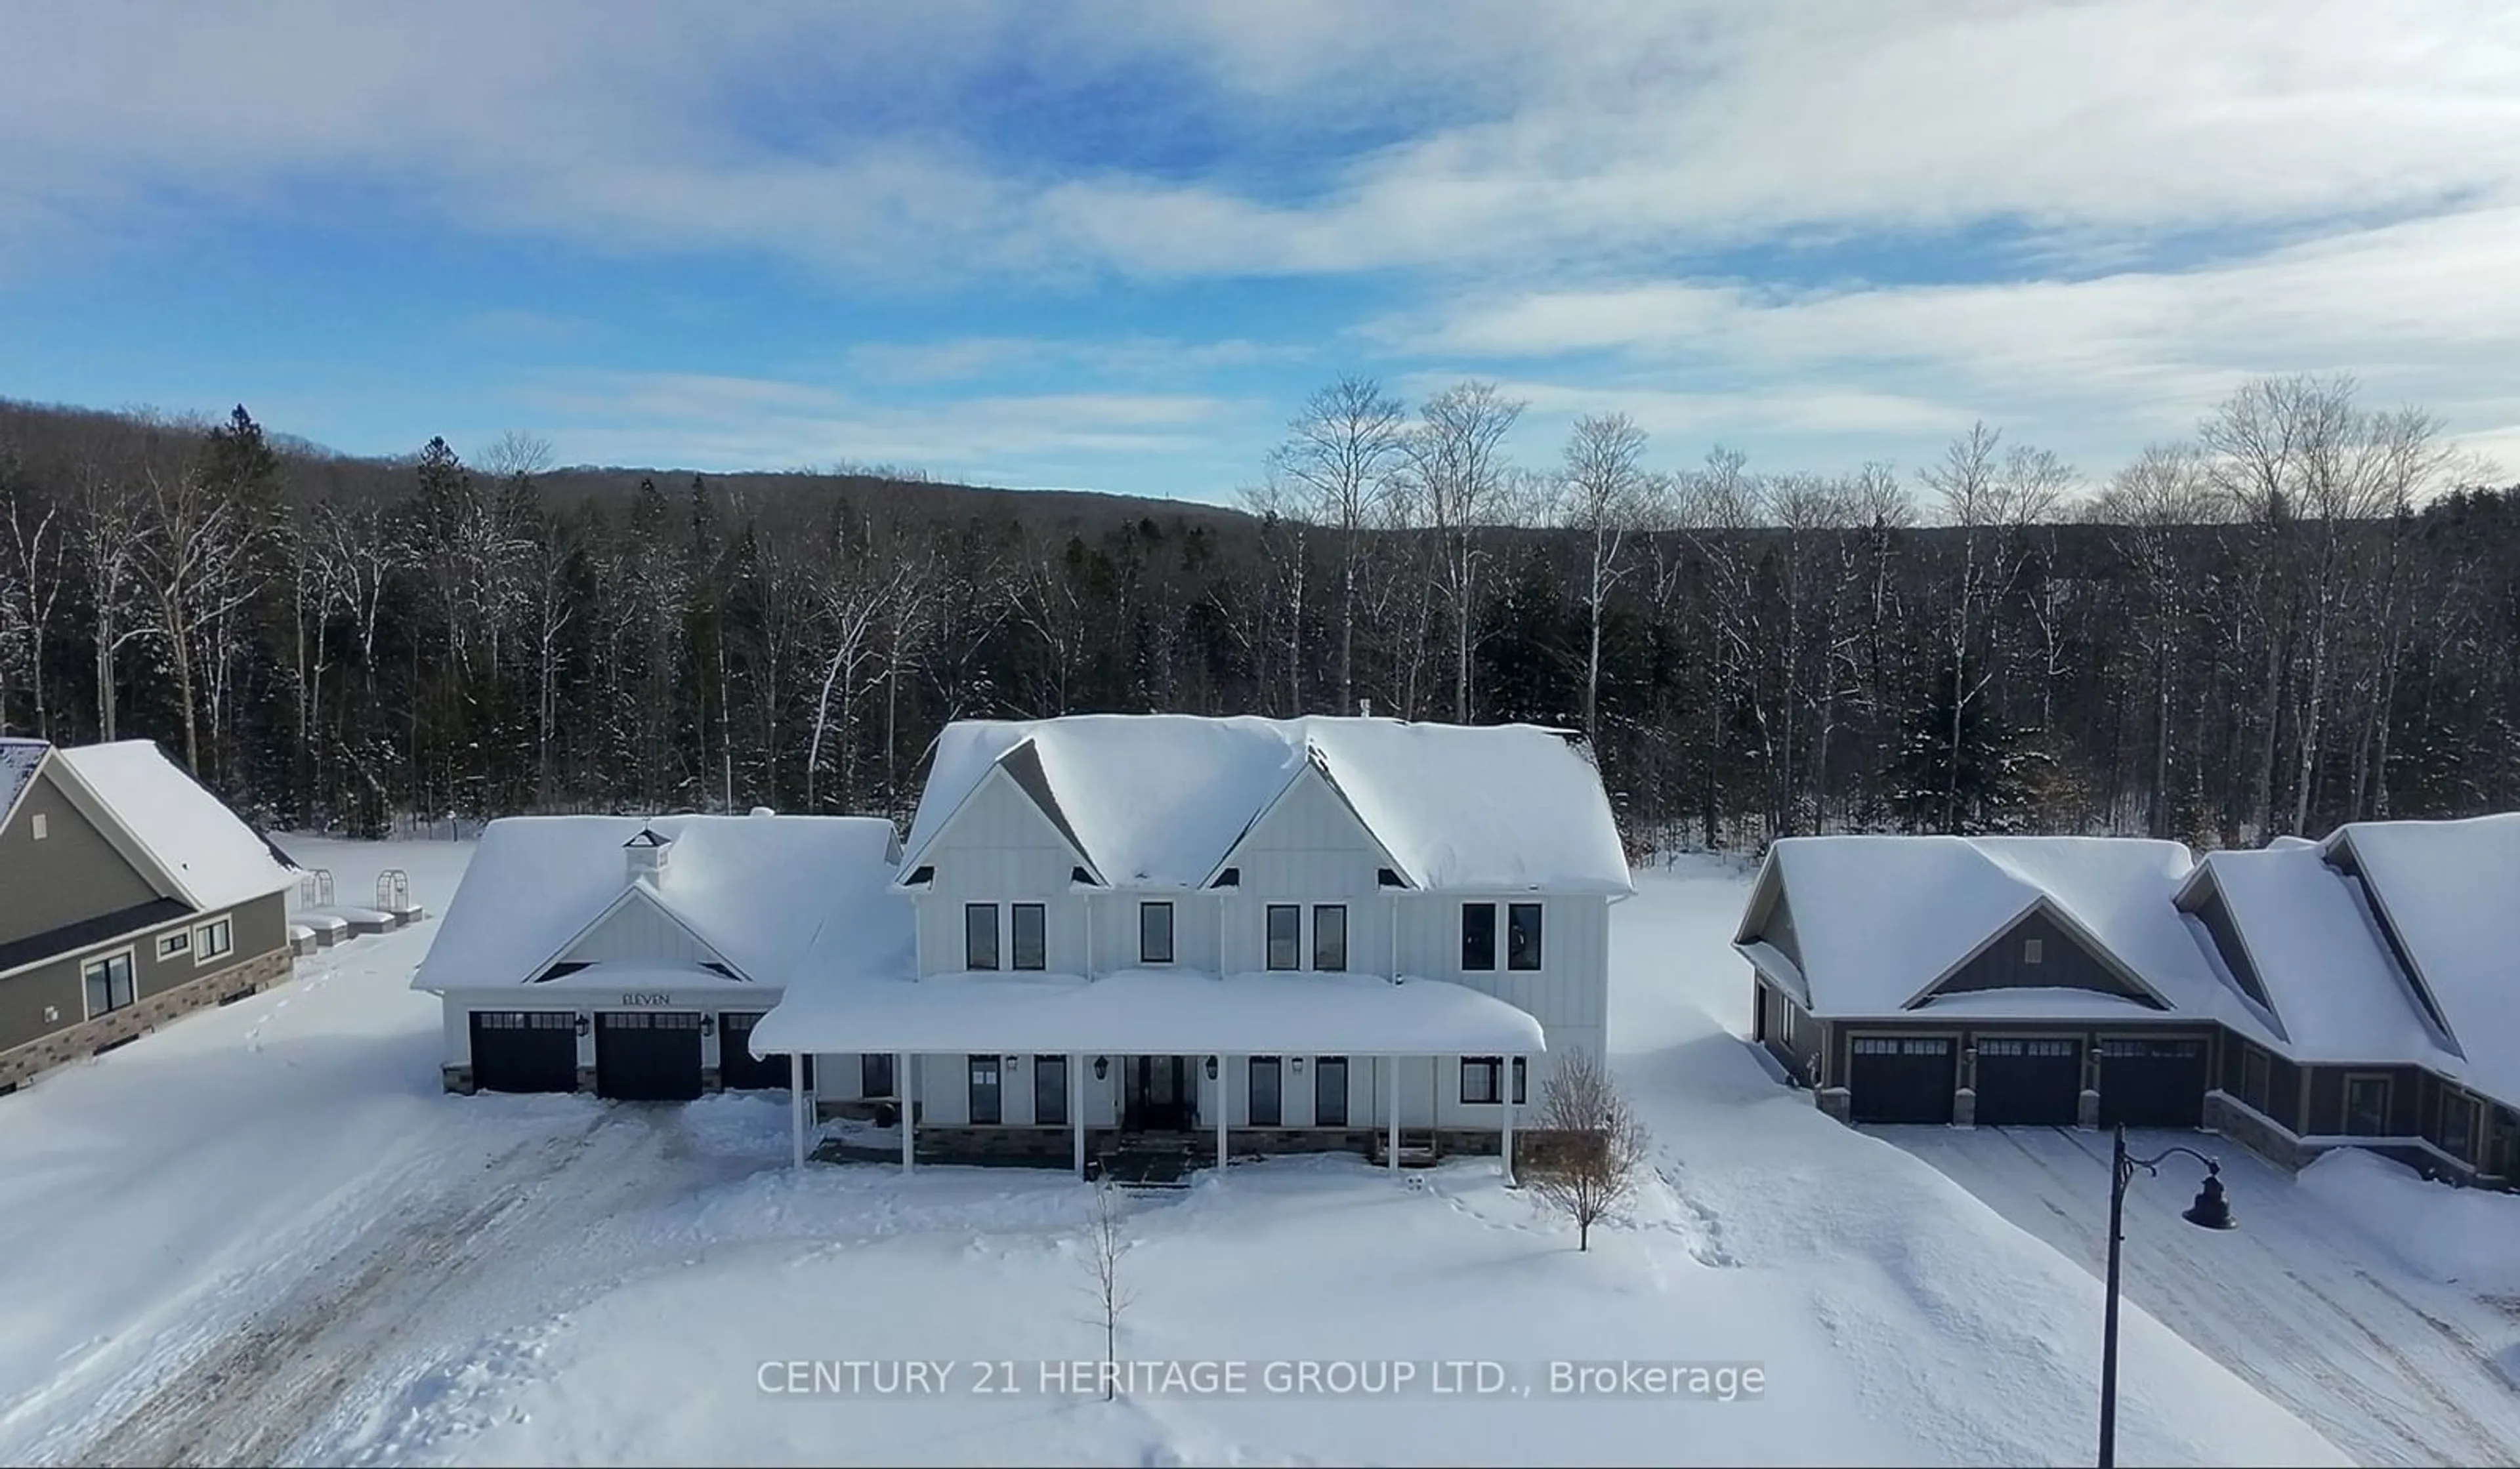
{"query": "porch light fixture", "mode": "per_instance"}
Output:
(1211, 1068)
(1300, 1065)
(1102, 1067)
(585, 1022)
(708, 1025)
(1012, 1061)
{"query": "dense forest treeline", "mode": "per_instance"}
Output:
(2305, 615)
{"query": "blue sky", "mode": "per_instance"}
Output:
(1116, 244)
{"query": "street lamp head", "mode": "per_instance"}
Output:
(2211, 1211)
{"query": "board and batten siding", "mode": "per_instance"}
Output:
(1000, 848)
(2063, 963)
(638, 931)
(71, 875)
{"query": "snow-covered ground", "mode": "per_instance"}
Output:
(264, 1234)
(2320, 1297)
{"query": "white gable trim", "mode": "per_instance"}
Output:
(18, 797)
(125, 842)
(2057, 915)
(636, 892)
(997, 775)
(1314, 773)
(1763, 901)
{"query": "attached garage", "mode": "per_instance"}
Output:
(524, 1051)
(2149, 1082)
(647, 1055)
(1901, 1078)
(737, 1068)
(2029, 1080)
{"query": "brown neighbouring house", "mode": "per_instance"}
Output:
(129, 896)
(2354, 992)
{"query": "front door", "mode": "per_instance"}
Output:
(1162, 1095)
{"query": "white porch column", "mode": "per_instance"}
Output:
(1076, 1106)
(798, 1105)
(1505, 1146)
(1224, 1076)
(907, 1086)
(1391, 1097)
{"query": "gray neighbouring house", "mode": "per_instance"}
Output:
(2356, 992)
(129, 896)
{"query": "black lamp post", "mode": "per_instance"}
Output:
(2211, 1211)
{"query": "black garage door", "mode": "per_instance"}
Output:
(2029, 1083)
(1900, 1079)
(736, 1070)
(524, 1051)
(2149, 1083)
(647, 1055)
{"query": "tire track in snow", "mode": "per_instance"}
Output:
(260, 1390)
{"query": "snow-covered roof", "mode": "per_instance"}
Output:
(211, 855)
(19, 761)
(1160, 800)
(1879, 919)
(761, 891)
(2451, 892)
(2335, 992)
(1147, 1011)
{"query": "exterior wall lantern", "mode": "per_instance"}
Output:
(1211, 1068)
(1300, 1065)
(1102, 1067)
(708, 1025)
(585, 1022)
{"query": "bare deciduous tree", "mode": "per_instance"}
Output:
(1106, 1244)
(1602, 1143)
(1342, 450)
(1458, 470)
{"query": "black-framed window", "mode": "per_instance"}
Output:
(1285, 933)
(1030, 938)
(988, 1092)
(215, 939)
(980, 935)
(1267, 1080)
(1155, 933)
(1522, 1080)
(2457, 1125)
(2367, 1106)
(1523, 936)
(1482, 1076)
(1329, 1091)
(875, 1074)
(109, 983)
(1049, 1090)
(1478, 935)
(1329, 936)
(2255, 1083)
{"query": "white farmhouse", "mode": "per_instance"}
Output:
(1283, 935)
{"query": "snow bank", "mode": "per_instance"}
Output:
(2452, 893)
(216, 856)
(758, 889)
(1159, 800)
(2461, 1236)
(1148, 1012)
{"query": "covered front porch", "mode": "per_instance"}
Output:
(1156, 1065)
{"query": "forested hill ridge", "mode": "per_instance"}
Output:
(2308, 614)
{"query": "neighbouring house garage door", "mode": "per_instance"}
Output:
(647, 1055)
(2029, 1083)
(736, 1070)
(2149, 1083)
(524, 1051)
(1900, 1079)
